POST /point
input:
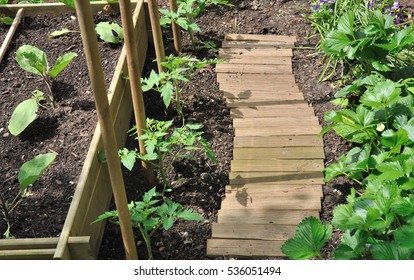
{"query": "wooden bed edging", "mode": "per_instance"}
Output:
(79, 239)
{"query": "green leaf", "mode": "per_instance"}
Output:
(346, 23)
(404, 236)
(31, 170)
(391, 251)
(167, 222)
(167, 91)
(7, 20)
(310, 236)
(189, 215)
(23, 115)
(194, 126)
(128, 158)
(352, 245)
(32, 59)
(59, 33)
(70, 3)
(61, 63)
(110, 32)
(335, 43)
(390, 170)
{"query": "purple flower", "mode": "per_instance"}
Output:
(371, 4)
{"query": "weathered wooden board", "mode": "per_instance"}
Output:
(272, 189)
(259, 37)
(280, 141)
(284, 178)
(279, 94)
(253, 69)
(278, 60)
(246, 248)
(266, 165)
(271, 111)
(277, 130)
(255, 44)
(278, 153)
(253, 231)
(255, 52)
(236, 103)
(257, 81)
(279, 121)
(264, 216)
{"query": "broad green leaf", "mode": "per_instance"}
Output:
(167, 91)
(31, 170)
(310, 237)
(346, 23)
(352, 245)
(335, 43)
(127, 158)
(32, 59)
(61, 63)
(7, 20)
(404, 236)
(167, 222)
(404, 206)
(107, 31)
(23, 115)
(390, 170)
(391, 251)
(189, 215)
(382, 95)
(59, 33)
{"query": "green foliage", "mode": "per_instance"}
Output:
(110, 32)
(160, 145)
(6, 20)
(4, 1)
(311, 235)
(152, 213)
(59, 33)
(171, 83)
(29, 172)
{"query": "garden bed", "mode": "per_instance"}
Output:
(67, 130)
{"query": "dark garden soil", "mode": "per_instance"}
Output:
(66, 130)
(43, 213)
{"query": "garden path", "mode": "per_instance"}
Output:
(276, 173)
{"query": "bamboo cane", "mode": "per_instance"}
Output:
(176, 28)
(9, 36)
(135, 81)
(93, 59)
(156, 32)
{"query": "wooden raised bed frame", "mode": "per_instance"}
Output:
(79, 239)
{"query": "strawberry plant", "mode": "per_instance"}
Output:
(34, 60)
(152, 213)
(171, 83)
(160, 145)
(29, 172)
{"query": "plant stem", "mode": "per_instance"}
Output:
(162, 172)
(147, 240)
(52, 98)
(5, 208)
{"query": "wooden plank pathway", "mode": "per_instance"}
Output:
(276, 172)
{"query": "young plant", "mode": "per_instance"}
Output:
(110, 32)
(6, 20)
(172, 82)
(34, 61)
(29, 172)
(152, 213)
(187, 12)
(160, 145)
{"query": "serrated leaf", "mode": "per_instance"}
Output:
(404, 236)
(310, 236)
(167, 91)
(32, 59)
(391, 251)
(346, 23)
(390, 170)
(23, 115)
(61, 63)
(106, 32)
(127, 158)
(167, 222)
(31, 170)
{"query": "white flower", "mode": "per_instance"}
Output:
(380, 127)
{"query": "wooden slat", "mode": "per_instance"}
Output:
(276, 131)
(256, 52)
(280, 141)
(10, 33)
(28, 243)
(282, 93)
(236, 103)
(253, 68)
(255, 81)
(255, 44)
(263, 165)
(279, 153)
(279, 121)
(270, 111)
(253, 231)
(265, 192)
(284, 178)
(260, 37)
(264, 216)
(279, 60)
(30, 254)
(304, 202)
(249, 248)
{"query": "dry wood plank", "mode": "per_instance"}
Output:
(250, 248)
(256, 52)
(10, 33)
(260, 37)
(282, 93)
(280, 141)
(257, 44)
(30, 254)
(253, 68)
(303, 202)
(264, 216)
(277, 60)
(238, 103)
(278, 121)
(277, 130)
(252, 231)
(257, 81)
(284, 178)
(272, 189)
(268, 165)
(252, 195)
(270, 111)
(28, 243)
(279, 153)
